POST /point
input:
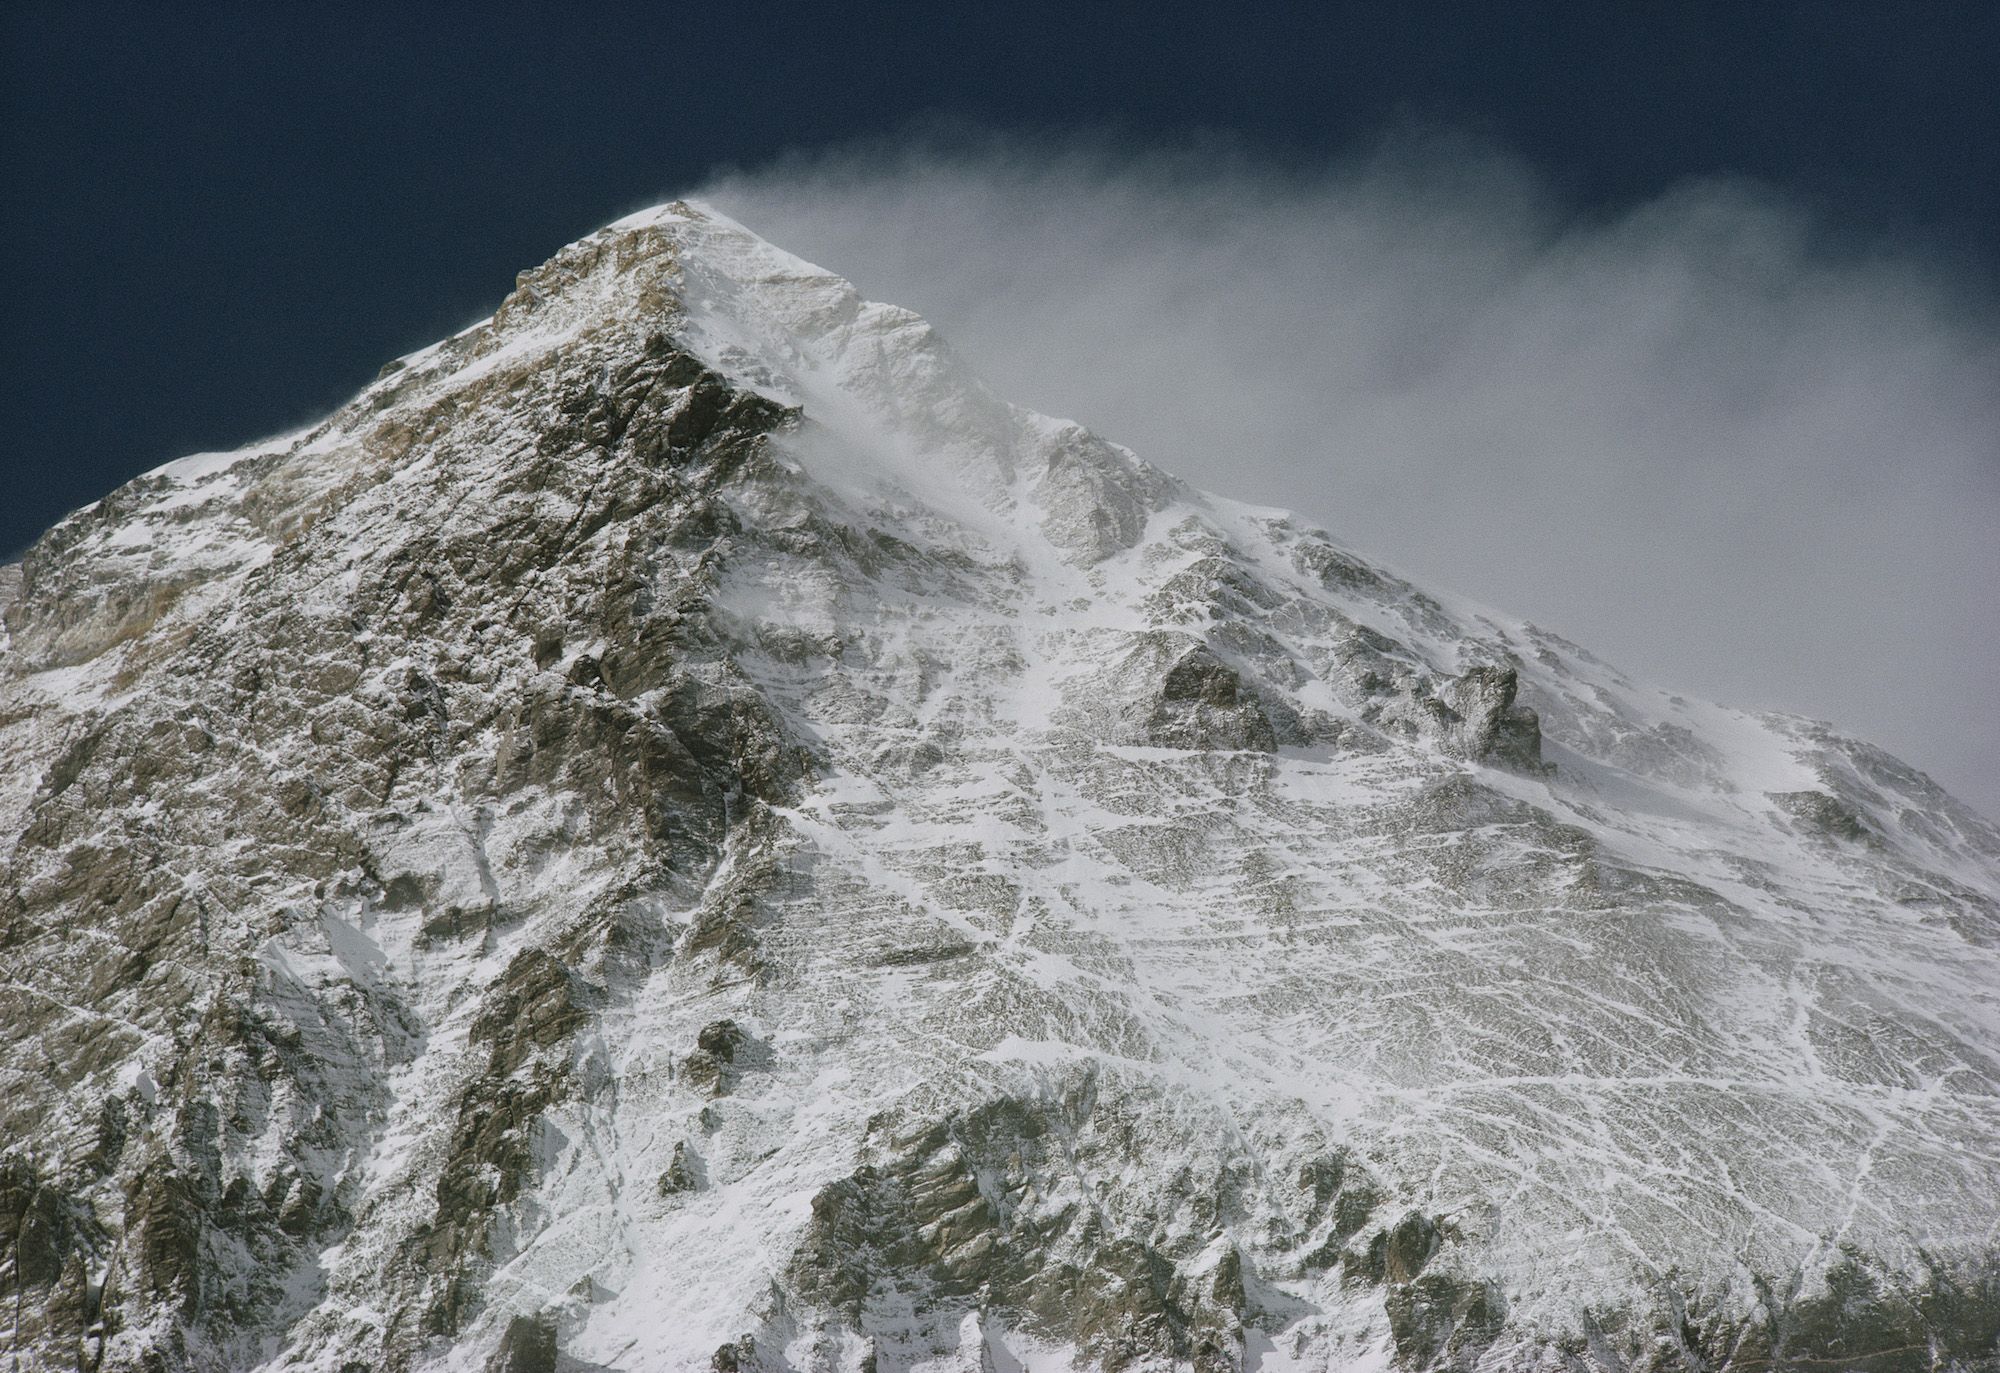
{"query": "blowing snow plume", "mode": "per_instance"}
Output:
(1693, 435)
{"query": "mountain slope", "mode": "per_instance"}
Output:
(678, 831)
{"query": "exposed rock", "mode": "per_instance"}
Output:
(713, 1067)
(1442, 1321)
(1204, 704)
(1822, 816)
(1095, 498)
(529, 1346)
(1493, 728)
(1472, 716)
(955, 1218)
(683, 1174)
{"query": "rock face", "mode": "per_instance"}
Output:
(677, 831)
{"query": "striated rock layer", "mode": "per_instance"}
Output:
(677, 831)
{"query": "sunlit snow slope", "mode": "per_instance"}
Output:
(677, 831)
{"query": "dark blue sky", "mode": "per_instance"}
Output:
(220, 221)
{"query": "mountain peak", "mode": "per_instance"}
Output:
(677, 830)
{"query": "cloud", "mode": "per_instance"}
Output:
(1701, 436)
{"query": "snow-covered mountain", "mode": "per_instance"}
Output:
(678, 831)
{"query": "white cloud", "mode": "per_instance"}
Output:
(1692, 436)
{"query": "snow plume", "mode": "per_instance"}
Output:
(1698, 434)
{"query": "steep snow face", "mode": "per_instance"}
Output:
(679, 831)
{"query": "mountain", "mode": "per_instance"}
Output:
(678, 831)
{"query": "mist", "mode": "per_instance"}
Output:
(1707, 437)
